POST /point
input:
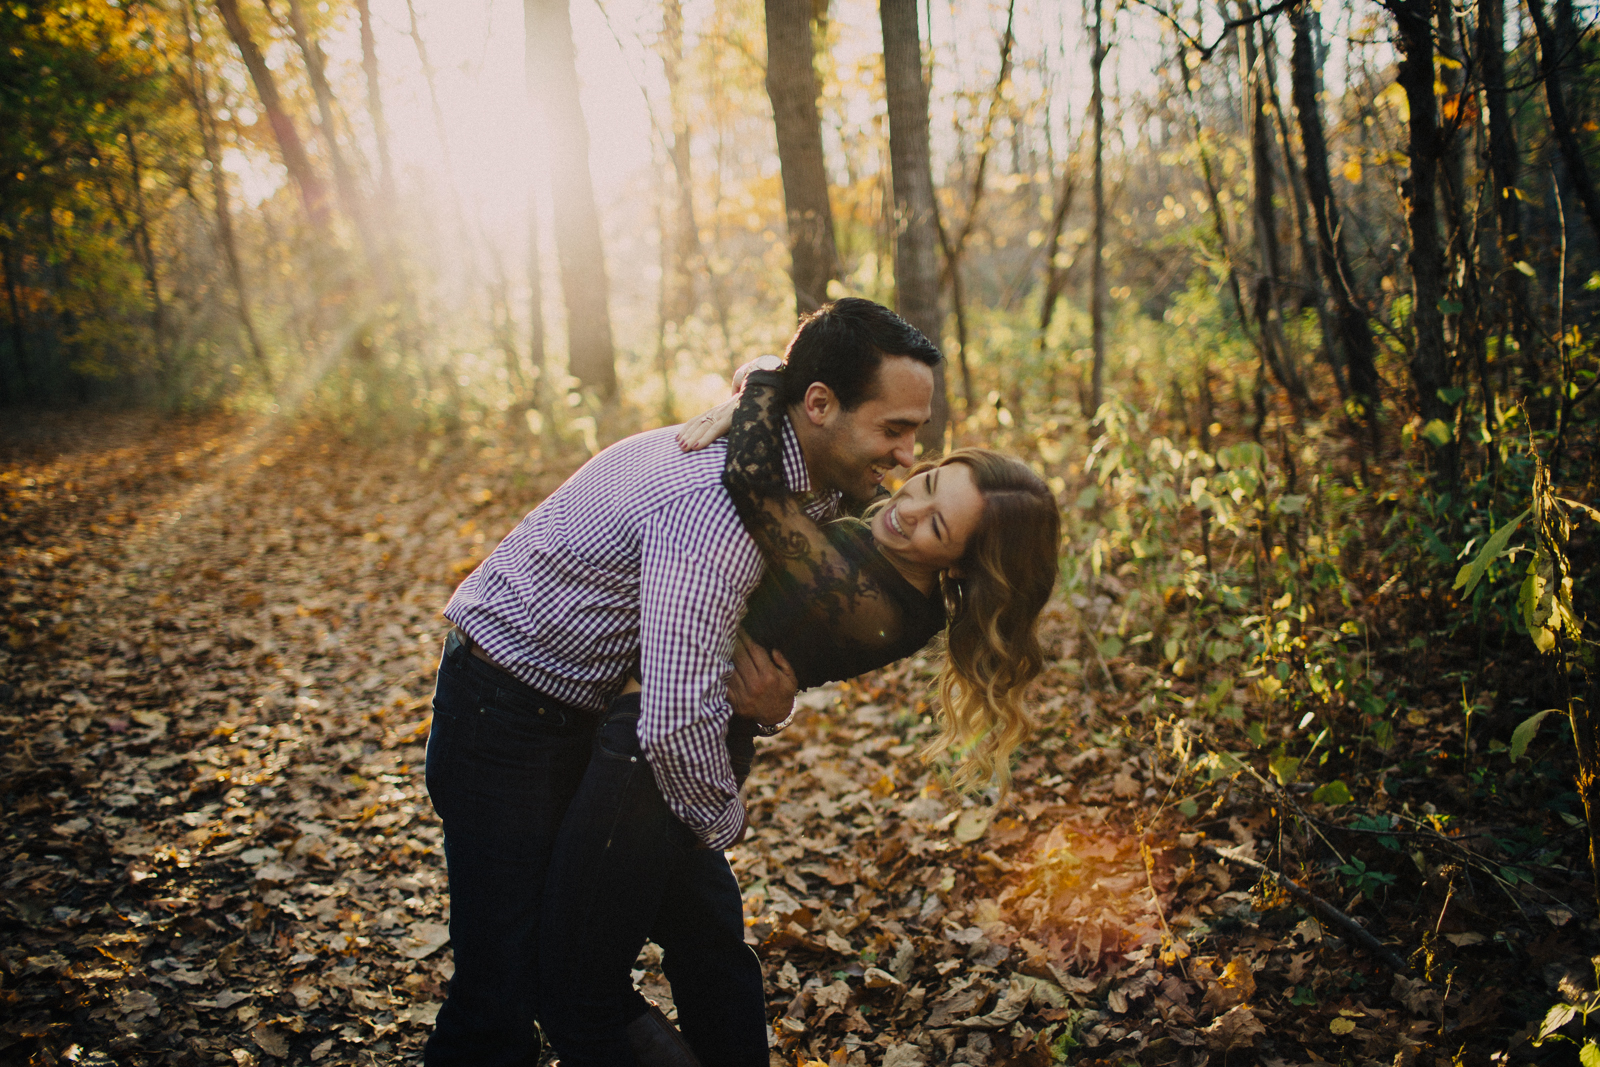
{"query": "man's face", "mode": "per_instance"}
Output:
(855, 449)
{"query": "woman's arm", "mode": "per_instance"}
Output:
(818, 581)
(699, 432)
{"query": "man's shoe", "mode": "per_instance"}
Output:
(657, 1043)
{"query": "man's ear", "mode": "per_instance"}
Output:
(820, 402)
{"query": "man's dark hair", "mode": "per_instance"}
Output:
(843, 343)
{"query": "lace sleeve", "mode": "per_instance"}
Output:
(819, 579)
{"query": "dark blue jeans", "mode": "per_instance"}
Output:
(626, 870)
(563, 859)
(503, 765)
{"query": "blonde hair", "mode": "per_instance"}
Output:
(993, 598)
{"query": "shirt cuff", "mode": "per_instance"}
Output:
(724, 833)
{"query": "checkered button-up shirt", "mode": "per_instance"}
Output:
(638, 558)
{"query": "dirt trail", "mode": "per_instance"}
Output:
(221, 641)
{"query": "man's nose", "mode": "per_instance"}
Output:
(904, 453)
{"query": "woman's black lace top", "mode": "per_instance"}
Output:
(830, 601)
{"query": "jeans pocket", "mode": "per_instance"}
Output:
(618, 738)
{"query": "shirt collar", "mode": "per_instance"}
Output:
(794, 461)
(818, 505)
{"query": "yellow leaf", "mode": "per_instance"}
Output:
(1352, 170)
(1341, 1025)
(972, 824)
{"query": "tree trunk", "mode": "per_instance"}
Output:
(543, 393)
(1353, 332)
(1219, 219)
(380, 128)
(955, 247)
(1430, 361)
(681, 231)
(1097, 262)
(1503, 169)
(916, 262)
(1055, 276)
(344, 180)
(792, 87)
(1463, 317)
(1550, 55)
(147, 251)
(19, 345)
(200, 99)
(312, 193)
(1308, 279)
(591, 357)
(1266, 301)
(442, 131)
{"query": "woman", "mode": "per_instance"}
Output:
(968, 545)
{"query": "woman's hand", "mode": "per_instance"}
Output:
(697, 433)
(763, 685)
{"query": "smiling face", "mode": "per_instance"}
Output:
(925, 527)
(851, 450)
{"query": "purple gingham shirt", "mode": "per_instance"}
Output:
(638, 557)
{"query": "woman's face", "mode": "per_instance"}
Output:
(926, 525)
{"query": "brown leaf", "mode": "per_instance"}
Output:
(1235, 985)
(1008, 1011)
(957, 1004)
(904, 1055)
(271, 1040)
(1418, 996)
(876, 978)
(1236, 1029)
(424, 939)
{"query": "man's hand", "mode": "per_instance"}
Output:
(762, 685)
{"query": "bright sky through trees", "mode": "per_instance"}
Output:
(475, 47)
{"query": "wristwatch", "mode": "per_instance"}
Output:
(777, 727)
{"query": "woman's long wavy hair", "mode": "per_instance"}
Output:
(993, 598)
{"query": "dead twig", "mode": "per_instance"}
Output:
(1346, 925)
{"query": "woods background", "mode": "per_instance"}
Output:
(1293, 304)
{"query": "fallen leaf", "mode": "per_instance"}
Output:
(424, 939)
(420, 1014)
(1235, 985)
(904, 1055)
(1418, 996)
(271, 1040)
(1236, 1029)
(972, 823)
(876, 978)
(1008, 1011)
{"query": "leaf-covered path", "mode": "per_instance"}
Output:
(220, 641)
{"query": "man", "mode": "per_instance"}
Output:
(637, 564)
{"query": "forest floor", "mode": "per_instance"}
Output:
(219, 641)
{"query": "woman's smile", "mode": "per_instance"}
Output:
(925, 526)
